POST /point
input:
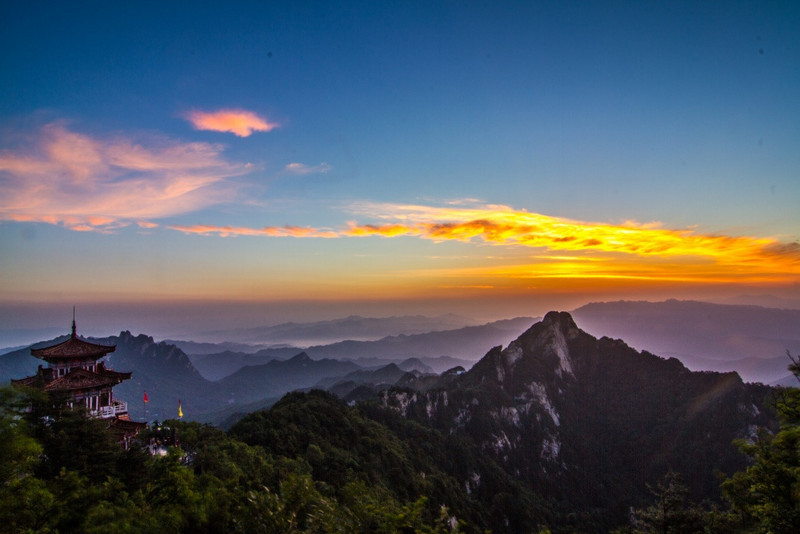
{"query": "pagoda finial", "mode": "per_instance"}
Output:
(74, 333)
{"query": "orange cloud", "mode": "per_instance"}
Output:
(630, 251)
(236, 121)
(506, 226)
(83, 183)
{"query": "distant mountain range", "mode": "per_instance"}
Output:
(750, 340)
(213, 387)
(438, 350)
(354, 328)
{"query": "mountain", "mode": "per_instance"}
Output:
(424, 364)
(19, 363)
(387, 375)
(215, 366)
(437, 350)
(415, 364)
(166, 373)
(588, 423)
(460, 344)
(275, 378)
(751, 340)
(353, 327)
(199, 348)
(17, 338)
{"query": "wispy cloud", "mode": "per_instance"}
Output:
(236, 121)
(86, 183)
(269, 231)
(302, 168)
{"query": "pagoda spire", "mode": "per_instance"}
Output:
(74, 331)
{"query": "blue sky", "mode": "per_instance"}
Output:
(397, 152)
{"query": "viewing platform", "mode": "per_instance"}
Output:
(116, 409)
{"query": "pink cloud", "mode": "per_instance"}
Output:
(236, 121)
(86, 183)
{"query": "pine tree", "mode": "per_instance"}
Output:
(672, 513)
(766, 496)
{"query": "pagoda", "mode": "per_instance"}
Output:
(74, 372)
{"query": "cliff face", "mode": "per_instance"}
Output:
(592, 421)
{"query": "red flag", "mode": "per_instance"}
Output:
(145, 397)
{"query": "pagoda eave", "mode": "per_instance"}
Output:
(73, 349)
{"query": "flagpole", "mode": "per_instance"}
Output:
(180, 417)
(145, 400)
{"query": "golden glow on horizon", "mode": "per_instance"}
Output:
(623, 269)
(630, 251)
(236, 121)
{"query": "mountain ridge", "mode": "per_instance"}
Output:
(439, 350)
(532, 405)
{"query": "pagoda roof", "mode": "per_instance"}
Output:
(73, 348)
(75, 380)
(39, 380)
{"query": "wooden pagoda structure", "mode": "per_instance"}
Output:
(74, 373)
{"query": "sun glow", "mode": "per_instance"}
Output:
(626, 254)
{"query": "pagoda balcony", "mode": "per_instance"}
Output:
(115, 409)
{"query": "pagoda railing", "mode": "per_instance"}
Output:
(116, 408)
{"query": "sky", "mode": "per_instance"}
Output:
(169, 166)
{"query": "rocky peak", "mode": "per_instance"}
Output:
(541, 353)
(126, 337)
(301, 358)
(550, 340)
(562, 320)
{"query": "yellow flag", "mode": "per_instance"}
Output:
(180, 412)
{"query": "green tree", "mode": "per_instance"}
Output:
(24, 499)
(19, 451)
(766, 496)
(672, 512)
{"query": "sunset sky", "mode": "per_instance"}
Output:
(168, 166)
